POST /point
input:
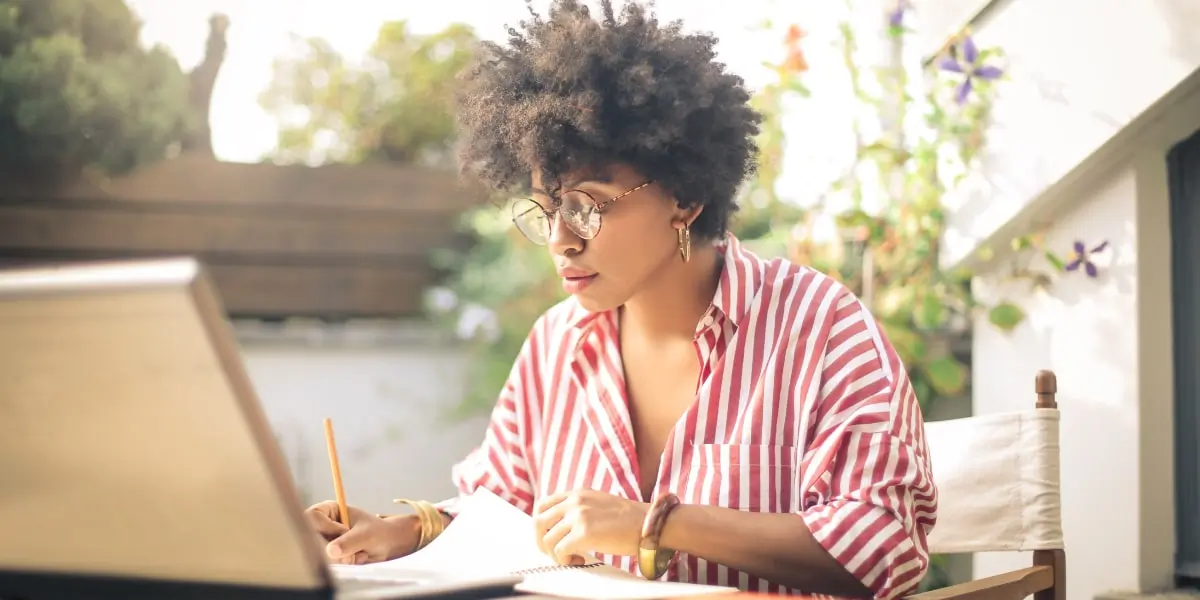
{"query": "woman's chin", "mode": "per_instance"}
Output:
(594, 302)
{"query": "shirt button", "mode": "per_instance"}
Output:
(706, 322)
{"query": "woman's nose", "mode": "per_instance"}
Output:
(562, 240)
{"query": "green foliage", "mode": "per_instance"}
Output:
(1006, 316)
(938, 575)
(396, 106)
(77, 90)
(499, 287)
(888, 215)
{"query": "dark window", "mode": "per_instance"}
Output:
(1183, 168)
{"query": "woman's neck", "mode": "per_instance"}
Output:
(674, 300)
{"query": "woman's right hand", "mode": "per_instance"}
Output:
(370, 539)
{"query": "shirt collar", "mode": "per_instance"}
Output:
(741, 277)
(740, 281)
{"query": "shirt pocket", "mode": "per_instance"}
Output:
(750, 477)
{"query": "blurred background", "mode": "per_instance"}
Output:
(1010, 185)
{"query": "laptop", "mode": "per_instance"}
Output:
(135, 458)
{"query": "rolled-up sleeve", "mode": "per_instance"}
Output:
(500, 463)
(867, 491)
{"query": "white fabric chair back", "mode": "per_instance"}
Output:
(998, 482)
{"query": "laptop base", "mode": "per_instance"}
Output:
(42, 586)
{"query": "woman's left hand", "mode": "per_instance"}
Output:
(571, 525)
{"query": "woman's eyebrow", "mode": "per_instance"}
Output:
(590, 180)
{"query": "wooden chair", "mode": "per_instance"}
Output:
(998, 490)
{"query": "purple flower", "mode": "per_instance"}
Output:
(896, 15)
(1081, 256)
(964, 58)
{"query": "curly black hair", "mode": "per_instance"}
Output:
(570, 92)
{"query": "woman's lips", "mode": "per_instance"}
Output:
(575, 280)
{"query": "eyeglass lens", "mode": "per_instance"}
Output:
(576, 211)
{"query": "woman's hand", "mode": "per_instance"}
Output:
(371, 539)
(573, 524)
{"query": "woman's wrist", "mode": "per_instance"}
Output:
(655, 558)
(415, 531)
(405, 534)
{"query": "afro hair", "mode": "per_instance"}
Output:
(570, 92)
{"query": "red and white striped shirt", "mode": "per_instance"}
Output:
(803, 407)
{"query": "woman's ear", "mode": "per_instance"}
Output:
(684, 217)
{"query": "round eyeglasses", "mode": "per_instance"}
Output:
(577, 209)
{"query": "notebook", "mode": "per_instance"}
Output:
(489, 537)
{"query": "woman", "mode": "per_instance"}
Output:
(751, 410)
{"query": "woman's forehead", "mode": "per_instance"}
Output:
(608, 173)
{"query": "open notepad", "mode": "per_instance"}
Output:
(489, 537)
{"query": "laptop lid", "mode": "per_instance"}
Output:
(132, 444)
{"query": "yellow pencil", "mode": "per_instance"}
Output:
(337, 473)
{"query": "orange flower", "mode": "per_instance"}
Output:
(794, 33)
(795, 61)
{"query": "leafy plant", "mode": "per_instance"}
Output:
(499, 287)
(888, 208)
(79, 92)
(396, 106)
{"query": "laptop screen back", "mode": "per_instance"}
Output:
(131, 443)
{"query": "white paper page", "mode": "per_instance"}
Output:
(489, 537)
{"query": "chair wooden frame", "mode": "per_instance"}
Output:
(1046, 579)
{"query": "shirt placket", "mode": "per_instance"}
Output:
(708, 341)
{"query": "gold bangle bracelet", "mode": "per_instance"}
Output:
(432, 523)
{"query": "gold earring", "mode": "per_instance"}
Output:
(685, 242)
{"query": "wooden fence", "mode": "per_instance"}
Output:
(280, 241)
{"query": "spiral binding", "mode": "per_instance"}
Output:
(551, 568)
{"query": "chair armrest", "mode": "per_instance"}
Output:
(1013, 585)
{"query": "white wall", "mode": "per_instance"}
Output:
(940, 19)
(1079, 72)
(1109, 341)
(1085, 331)
(386, 387)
